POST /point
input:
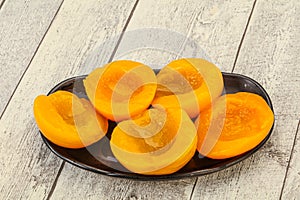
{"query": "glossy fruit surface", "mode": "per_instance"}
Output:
(67, 120)
(234, 124)
(121, 89)
(189, 83)
(156, 142)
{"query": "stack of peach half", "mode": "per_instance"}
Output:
(162, 119)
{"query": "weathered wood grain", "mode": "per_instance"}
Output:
(181, 17)
(22, 27)
(291, 188)
(258, 177)
(95, 186)
(28, 169)
(268, 54)
(184, 29)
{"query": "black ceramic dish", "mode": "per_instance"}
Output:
(99, 158)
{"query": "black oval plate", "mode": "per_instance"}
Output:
(98, 157)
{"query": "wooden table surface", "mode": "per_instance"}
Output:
(45, 42)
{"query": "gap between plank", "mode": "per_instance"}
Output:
(236, 57)
(243, 36)
(2, 4)
(123, 31)
(55, 180)
(110, 59)
(290, 158)
(29, 61)
(194, 186)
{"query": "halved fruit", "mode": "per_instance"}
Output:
(190, 83)
(155, 142)
(235, 124)
(68, 121)
(121, 89)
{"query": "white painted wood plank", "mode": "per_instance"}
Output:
(270, 53)
(95, 186)
(181, 17)
(22, 27)
(259, 177)
(214, 26)
(28, 169)
(291, 189)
